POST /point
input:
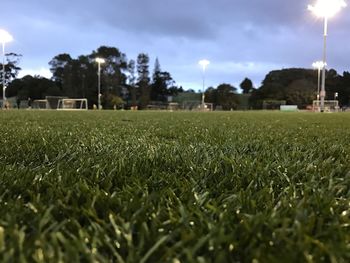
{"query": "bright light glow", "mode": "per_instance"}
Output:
(327, 8)
(100, 60)
(5, 37)
(319, 64)
(204, 63)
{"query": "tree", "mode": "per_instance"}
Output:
(111, 101)
(32, 87)
(77, 78)
(227, 96)
(300, 92)
(157, 70)
(58, 65)
(113, 70)
(282, 85)
(246, 86)
(163, 84)
(343, 89)
(143, 79)
(11, 68)
(211, 95)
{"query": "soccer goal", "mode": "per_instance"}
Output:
(72, 104)
(329, 105)
(40, 104)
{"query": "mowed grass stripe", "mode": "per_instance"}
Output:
(116, 186)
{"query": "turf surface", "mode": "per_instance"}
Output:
(174, 187)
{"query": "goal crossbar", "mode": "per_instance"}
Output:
(72, 104)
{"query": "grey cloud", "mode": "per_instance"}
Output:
(271, 32)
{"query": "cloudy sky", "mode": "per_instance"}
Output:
(241, 38)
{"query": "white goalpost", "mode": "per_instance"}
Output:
(72, 104)
(329, 105)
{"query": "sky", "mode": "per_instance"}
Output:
(240, 38)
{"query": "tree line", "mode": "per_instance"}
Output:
(294, 86)
(298, 86)
(123, 81)
(130, 83)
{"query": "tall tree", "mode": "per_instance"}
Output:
(344, 89)
(58, 68)
(11, 68)
(157, 70)
(246, 86)
(227, 96)
(162, 83)
(143, 79)
(113, 69)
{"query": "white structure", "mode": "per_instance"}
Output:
(72, 104)
(318, 65)
(5, 37)
(289, 108)
(99, 62)
(325, 9)
(204, 63)
(329, 106)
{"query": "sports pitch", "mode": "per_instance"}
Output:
(117, 186)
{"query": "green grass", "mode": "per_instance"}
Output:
(174, 187)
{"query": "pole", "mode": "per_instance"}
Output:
(3, 76)
(323, 88)
(318, 82)
(99, 86)
(318, 86)
(203, 87)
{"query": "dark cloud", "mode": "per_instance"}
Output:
(241, 38)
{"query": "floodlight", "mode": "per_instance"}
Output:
(100, 60)
(5, 37)
(327, 8)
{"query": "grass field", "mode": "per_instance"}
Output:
(174, 187)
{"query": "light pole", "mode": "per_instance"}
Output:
(318, 65)
(204, 63)
(336, 96)
(325, 9)
(99, 62)
(5, 37)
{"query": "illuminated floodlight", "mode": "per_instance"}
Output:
(5, 36)
(204, 63)
(100, 60)
(327, 8)
(319, 64)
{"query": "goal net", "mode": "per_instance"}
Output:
(197, 106)
(40, 104)
(329, 105)
(72, 104)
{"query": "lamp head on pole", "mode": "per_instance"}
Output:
(327, 8)
(204, 63)
(319, 65)
(5, 36)
(100, 60)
